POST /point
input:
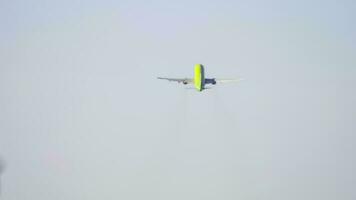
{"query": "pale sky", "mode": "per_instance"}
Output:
(84, 117)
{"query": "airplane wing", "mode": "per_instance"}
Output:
(218, 80)
(233, 80)
(179, 80)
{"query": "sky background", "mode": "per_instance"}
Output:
(82, 115)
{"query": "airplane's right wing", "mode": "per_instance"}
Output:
(218, 80)
(234, 80)
(179, 80)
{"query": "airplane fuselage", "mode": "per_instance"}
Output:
(199, 77)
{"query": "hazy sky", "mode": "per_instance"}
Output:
(82, 115)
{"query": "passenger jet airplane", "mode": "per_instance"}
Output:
(199, 80)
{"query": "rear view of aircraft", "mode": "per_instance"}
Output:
(199, 79)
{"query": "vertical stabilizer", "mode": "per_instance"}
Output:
(199, 77)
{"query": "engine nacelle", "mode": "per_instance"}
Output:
(210, 81)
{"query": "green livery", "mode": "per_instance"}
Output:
(199, 79)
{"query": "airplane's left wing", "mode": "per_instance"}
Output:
(179, 80)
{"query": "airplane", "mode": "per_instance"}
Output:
(199, 80)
